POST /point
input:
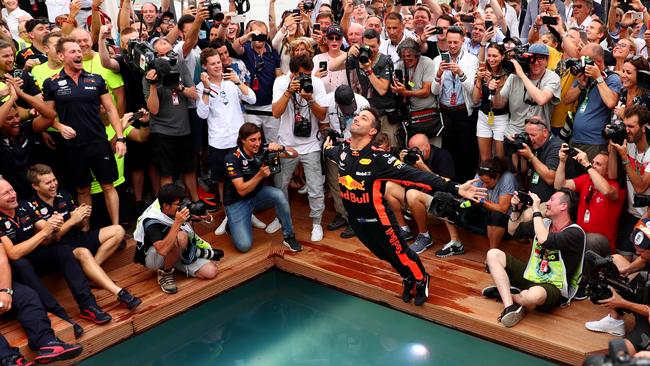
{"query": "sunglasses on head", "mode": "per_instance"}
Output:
(535, 121)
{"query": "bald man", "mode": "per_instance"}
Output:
(431, 159)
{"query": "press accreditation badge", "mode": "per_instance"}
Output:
(175, 100)
(535, 179)
(586, 217)
(490, 120)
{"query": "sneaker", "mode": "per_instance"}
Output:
(491, 292)
(221, 229)
(512, 315)
(57, 351)
(291, 243)
(609, 325)
(407, 289)
(316, 233)
(337, 223)
(273, 226)
(95, 315)
(454, 247)
(257, 222)
(422, 291)
(347, 233)
(303, 189)
(407, 234)
(128, 300)
(581, 294)
(421, 243)
(15, 360)
(167, 282)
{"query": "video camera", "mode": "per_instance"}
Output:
(577, 65)
(641, 200)
(604, 274)
(617, 356)
(142, 57)
(521, 55)
(272, 159)
(197, 209)
(412, 156)
(517, 143)
(615, 132)
(365, 54)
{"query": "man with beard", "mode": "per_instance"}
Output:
(35, 54)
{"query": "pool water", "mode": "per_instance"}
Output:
(279, 319)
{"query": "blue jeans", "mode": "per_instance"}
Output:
(239, 216)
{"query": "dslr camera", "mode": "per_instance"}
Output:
(365, 54)
(214, 9)
(615, 132)
(412, 156)
(448, 207)
(308, 5)
(641, 200)
(605, 274)
(197, 209)
(301, 126)
(305, 83)
(335, 136)
(142, 57)
(525, 200)
(577, 65)
(521, 55)
(271, 159)
(617, 356)
(517, 143)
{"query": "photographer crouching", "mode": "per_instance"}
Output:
(244, 191)
(631, 297)
(554, 267)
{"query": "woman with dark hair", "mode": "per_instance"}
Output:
(631, 93)
(501, 185)
(491, 124)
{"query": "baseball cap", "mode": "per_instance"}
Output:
(641, 234)
(334, 29)
(32, 23)
(344, 98)
(538, 49)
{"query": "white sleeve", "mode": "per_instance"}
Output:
(202, 109)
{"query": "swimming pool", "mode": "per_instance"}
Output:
(279, 319)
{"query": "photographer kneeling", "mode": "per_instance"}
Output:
(244, 191)
(613, 322)
(554, 267)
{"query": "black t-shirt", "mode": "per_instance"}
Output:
(63, 204)
(153, 233)
(238, 165)
(547, 154)
(29, 87)
(77, 105)
(16, 156)
(441, 162)
(133, 93)
(19, 227)
(570, 241)
(28, 54)
(383, 70)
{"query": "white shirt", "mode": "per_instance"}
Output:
(334, 114)
(223, 112)
(12, 20)
(303, 145)
(512, 20)
(389, 49)
(56, 8)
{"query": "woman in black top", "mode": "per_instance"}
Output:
(631, 93)
(492, 122)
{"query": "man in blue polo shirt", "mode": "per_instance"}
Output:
(76, 95)
(263, 63)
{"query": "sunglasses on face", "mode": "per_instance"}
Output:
(334, 38)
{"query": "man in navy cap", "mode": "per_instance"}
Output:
(613, 323)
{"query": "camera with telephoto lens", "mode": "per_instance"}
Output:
(365, 54)
(615, 132)
(271, 159)
(412, 156)
(517, 143)
(197, 209)
(308, 5)
(641, 200)
(617, 356)
(142, 57)
(305, 83)
(448, 207)
(521, 55)
(604, 274)
(577, 65)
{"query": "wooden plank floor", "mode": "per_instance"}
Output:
(454, 301)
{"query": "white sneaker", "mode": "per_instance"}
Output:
(221, 229)
(607, 325)
(316, 233)
(257, 222)
(273, 226)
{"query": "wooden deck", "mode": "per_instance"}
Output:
(454, 301)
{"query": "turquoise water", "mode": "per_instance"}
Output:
(279, 319)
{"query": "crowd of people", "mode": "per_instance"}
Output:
(541, 108)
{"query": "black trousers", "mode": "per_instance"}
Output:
(27, 308)
(59, 257)
(459, 138)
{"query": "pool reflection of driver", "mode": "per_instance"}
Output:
(363, 172)
(245, 192)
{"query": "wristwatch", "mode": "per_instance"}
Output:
(121, 139)
(600, 80)
(7, 290)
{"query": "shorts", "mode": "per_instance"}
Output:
(515, 270)
(199, 131)
(137, 157)
(84, 161)
(496, 131)
(499, 219)
(216, 162)
(171, 154)
(624, 244)
(82, 239)
(155, 261)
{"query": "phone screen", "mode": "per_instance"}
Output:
(445, 57)
(322, 65)
(399, 75)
